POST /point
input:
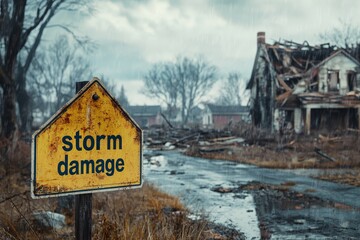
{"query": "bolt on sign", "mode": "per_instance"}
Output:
(89, 145)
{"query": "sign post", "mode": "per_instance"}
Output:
(83, 203)
(90, 145)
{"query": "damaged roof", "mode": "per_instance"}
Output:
(294, 60)
(295, 68)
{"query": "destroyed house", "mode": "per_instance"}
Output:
(219, 116)
(146, 116)
(303, 87)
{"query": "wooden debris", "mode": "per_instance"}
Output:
(221, 190)
(321, 153)
(166, 120)
(283, 84)
(353, 130)
(329, 139)
(163, 138)
(212, 150)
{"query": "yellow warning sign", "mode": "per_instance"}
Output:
(89, 145)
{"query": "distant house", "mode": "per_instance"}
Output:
(304, 87)
(219, 117)
(146, 116)
(195, 116)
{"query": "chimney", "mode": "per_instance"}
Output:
(260, 38)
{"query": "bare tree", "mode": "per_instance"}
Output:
(21, 28)
(344, 35)
(182, 83)
(196, 77)
(160, 82)
(232, 90)
(123, 99)
(53, 74)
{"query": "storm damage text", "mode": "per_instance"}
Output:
(89, 166)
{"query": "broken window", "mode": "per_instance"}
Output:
(333, 81)
(351, 80)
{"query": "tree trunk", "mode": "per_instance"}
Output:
(23, 100)
(9, 124)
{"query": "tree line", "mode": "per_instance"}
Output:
(35, 76)
(22, 28)
(182, 84)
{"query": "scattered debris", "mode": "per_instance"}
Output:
(169, 139)
(49, 219)
(222, 189)
(174, 172)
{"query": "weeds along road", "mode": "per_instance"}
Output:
(213, 188)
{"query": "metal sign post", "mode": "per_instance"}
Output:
(83, 204)
(90, 145)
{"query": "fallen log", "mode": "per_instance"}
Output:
(186, 138)
(353, 130)
(212, 150)
(259, 141)
(222, 139)
(167, 121)
(329, 139)
(321, 153)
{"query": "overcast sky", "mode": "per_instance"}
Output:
(133, 35)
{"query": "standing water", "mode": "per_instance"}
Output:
(193, 181)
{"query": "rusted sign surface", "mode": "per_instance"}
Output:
(90, 145)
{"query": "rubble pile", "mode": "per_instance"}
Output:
(168, 139)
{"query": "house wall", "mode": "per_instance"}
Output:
(148, 121)
(263, 92)
(340, 63)
(221, 121)
(155, 120)
(207, 118)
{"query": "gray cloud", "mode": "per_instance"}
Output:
(133, 35)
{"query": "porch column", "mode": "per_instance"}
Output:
(277, 120)
(308, 121)
(297, 120)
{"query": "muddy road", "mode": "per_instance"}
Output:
(261, 203)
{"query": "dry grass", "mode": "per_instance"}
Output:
(145, 213)
(351, 178)
(297, 153)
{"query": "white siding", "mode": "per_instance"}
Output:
(341, 63)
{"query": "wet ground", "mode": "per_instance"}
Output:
(261, 203)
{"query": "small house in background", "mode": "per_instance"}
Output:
(219, 117)
(146, 116)
(195, 116)
(303, 87)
